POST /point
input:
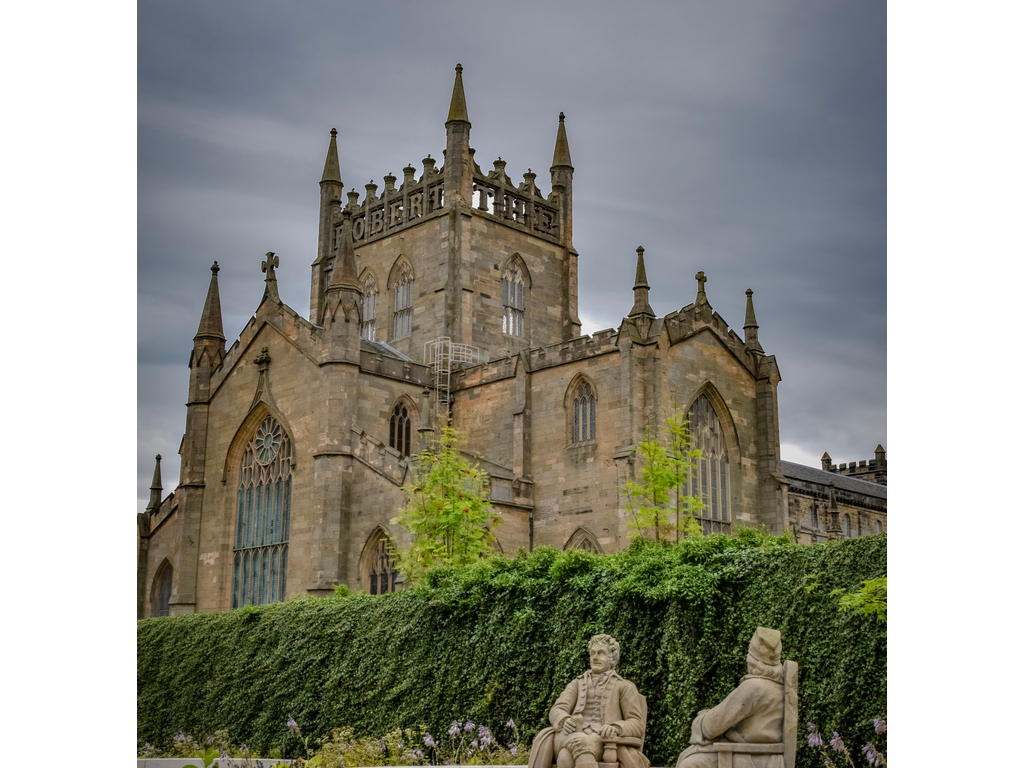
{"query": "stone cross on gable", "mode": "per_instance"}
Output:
(269, 265)
(701, 278)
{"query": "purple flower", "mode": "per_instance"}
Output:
(513, 749)
(469, 726)
(510, 723)
(837, 743)
(829, 763)
(180, 737)
(454, 729)
(880, 725)
(383, 746)
(469, 753)
(813, 737)
(485, 736)
(418, 754)
(871, 754)
(474, 743)
(292, 724)
(428, 741)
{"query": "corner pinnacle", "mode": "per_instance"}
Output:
(561, 157)
(210, 324)
(457, 110)
(332, 169)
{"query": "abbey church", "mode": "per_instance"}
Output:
(453, 293)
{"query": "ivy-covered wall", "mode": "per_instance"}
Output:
(501, 639)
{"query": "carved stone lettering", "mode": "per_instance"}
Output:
(395, 217)
(359, 228)
(415, 205)
(376, 221)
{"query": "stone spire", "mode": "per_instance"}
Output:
(156, 489)
(344, 273)
(210, 324)
(640, 288)
(561, 158)
(332, 169)
(268, 266)
(457, 110)
(750, 326)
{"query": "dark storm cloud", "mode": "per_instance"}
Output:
(744, 139)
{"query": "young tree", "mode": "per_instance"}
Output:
(448, 514)
(657, 501)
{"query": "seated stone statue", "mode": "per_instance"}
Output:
(751, 714)
(594, 710)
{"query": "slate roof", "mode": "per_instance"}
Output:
(820, 476)
(383, 349)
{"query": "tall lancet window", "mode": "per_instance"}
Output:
(400, 436)
(383, 574)
(584, 413)
(369, 328)
(512, 299)
(261, 528)
(710, 478)
(403, 303)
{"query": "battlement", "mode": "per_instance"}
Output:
(538, 358)
(523, 207)
(873, 470)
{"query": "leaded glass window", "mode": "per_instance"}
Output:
(368, 330)
(512, 300)
(400, 435)
(846, 525)
(403, 302)
(383, 574)
(584, 413)
(261, 527)
(709, 479)
(812, 513)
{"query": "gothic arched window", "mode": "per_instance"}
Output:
(162, 590)
(846, 525)
(812, 512)
(512, 300)
(710, 477)
(368, 330)
(264, 509)
(583, 539)
(878, 526)
(383, 574)
(400, 435)
(584, 413)
(403, 302)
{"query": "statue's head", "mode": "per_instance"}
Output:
(765, 651)
(604, 653)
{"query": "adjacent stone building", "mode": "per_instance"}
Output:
(452, 292)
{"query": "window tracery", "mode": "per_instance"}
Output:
(512, 300)
(709, 479)
(368, 330)
(400, 434)
(264, 510)
(403, 302)
(383, 574)
(162, 590)
(584, 413)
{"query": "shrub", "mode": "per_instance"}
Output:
(499, 640)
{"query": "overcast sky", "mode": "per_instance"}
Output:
(744, 139)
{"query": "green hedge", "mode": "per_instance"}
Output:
(501, 640)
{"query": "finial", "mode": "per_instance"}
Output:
(458, 69)
(641, 306)
(215, 268)
(750, 326)
(334, 132)
(210, 324)
(561, 117)
(269, 265)
(263, 359)
(701, 278)
(158, 457)
(561, 157)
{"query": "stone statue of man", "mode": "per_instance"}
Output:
(751, 714)
(597, 705)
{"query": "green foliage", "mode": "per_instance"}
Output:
(448, 512)
(656, 502)
(869, 600)
(500, 639)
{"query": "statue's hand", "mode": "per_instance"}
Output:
(568, 725)
(610, 731)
